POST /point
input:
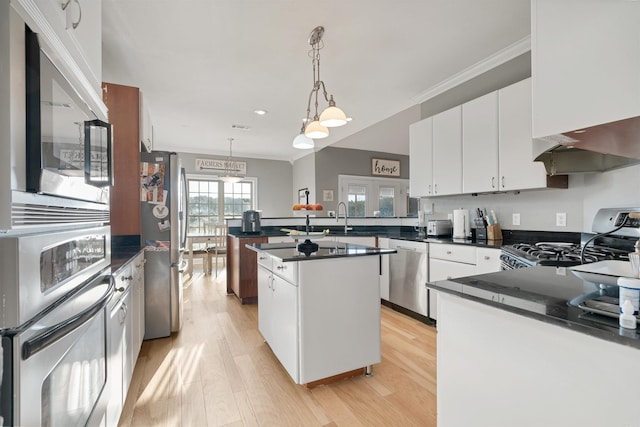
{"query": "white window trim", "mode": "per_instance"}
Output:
(252, 179)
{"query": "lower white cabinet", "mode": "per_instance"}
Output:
(125, 331)
(452, 261)
(320, 317)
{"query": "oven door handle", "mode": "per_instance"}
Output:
(54, 333)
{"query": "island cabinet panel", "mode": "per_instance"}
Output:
(242, 270)
(320, 317)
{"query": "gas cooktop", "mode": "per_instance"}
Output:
(557, 254)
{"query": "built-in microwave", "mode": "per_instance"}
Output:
(68, 149)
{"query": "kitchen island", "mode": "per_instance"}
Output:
(512, 351)
(320, 312)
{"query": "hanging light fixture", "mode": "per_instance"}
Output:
(230, 171)
(302, 141)
(332, 116)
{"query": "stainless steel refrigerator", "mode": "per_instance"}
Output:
(163, 210)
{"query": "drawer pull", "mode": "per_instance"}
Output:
(487, 257)
(448, 252)
(281, 267)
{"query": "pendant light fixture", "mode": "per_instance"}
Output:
(302, 141)
(332, 116)
(231, 174)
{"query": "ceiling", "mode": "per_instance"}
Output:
(206, 65)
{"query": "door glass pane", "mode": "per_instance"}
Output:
(386, 201)
(357, 200)
(203, 205)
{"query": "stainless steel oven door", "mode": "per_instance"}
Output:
(60, 361)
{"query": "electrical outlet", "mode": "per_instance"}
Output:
(561, 219)
(515, 219)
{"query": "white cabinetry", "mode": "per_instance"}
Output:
(452, 261)
(137, 305)
(421, 158)
(480, 144)
(447, 152)
(583, 74)
(125, 332)
(383, 242)
(320, 317)
(517, 170)
(146, 126)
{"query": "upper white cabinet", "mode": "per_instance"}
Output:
(420, 160)
(146, 127)
(447, 152)
(517, 170)
(480, 144)
(585, 63)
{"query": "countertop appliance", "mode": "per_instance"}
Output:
(163, 238)
(251, 222)
(408, 274)
(439, 227)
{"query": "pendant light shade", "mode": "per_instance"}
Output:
(315, 130)
(303, 142)
(333, 117)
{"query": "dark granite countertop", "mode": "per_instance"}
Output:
(541, 293)
(408, 233)
(288, 252)
(121, 255)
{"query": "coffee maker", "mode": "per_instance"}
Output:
(251, 222)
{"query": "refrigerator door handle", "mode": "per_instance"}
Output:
(182, 265)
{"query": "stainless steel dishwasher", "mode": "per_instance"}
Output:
(408, 274)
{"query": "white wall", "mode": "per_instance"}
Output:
(586, 194)
(304, 176)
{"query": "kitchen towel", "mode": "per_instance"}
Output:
(461, 225)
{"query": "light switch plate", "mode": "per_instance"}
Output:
(515, 219)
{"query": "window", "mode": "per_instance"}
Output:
(371, 196)
(206, 207)
(357, 200)
(386, 197)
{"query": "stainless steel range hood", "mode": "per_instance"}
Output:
(594, 149)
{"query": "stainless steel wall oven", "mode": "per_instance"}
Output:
(54, 348)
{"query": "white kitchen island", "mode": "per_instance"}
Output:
(320, 313)
(513, 355)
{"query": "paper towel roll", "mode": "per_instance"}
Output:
(461, 225)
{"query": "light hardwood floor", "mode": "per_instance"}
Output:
(218, 371)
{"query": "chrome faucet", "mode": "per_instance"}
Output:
(346, 216)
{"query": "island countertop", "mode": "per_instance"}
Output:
(288, 252)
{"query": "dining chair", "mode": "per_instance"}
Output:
(218, 245)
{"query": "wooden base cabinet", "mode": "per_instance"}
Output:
(242, 275)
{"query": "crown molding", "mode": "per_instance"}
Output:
(512, 51)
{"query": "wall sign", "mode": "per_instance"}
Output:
(385, 167)
(220, 165)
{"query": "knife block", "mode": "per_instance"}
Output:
(494, 232)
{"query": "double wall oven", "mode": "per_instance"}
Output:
(55, 287)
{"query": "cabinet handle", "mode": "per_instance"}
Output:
(448, 252)
(493, 182)
(487, 257)
(262, 257)
(502, 180)
(120, 289)
(429, 191)
(281, 267)
(435, 189)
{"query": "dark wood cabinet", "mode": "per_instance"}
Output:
(242, 268)
(123, 103)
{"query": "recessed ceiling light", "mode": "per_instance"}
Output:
(241, 127)
(260, 112)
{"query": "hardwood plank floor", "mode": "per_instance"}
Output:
(218, 371)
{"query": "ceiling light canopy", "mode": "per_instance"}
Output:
(230, 169)
(332, 116)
